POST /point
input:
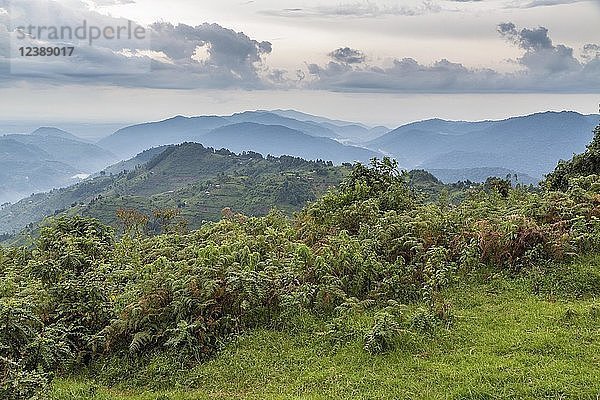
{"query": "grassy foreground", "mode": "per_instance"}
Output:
(523, 338)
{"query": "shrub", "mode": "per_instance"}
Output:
(350, 259)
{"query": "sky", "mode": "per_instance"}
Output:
(377, 61)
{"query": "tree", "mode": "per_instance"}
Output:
(585, 164)
(502, 186)
(134, 222)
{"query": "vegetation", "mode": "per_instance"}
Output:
(370, 291)
(198, 181)
(584, 164)
(505, 342)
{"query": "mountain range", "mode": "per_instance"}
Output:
(531, 144)
(45, 159)
(527, 146)
(242, 128)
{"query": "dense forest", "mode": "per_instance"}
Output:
(372, 261)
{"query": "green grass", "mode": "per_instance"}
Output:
(505, 343)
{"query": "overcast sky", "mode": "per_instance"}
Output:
(377, 61)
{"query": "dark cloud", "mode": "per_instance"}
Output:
(233, 56)
(178, 56)
(348, 55)
(546, 67)
(528, 39)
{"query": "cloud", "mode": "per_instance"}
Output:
(172, 53)
(362, 9)
(231, 57)
(528, 39)
(541, 55)
(547, 3)
(348, 55)
(403, 75)
(105, 3)
(545, 67)
(210, 56)
(590, 52)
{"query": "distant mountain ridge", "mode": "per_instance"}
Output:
(131, 140)
(54, 132)
(45, 159)
(353, 131)
(531, 144)
(280, 140)
(84, 156)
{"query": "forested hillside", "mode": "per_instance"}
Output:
(197, 181)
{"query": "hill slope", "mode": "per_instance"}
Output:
(54, 132)
(280, 140)
(353, 131)
(501, 331)
(86, 157)
(46, 159)
(25, 168)
(134, 139)
(369, 292)
(199, 181)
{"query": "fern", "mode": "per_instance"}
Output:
(139, 341)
